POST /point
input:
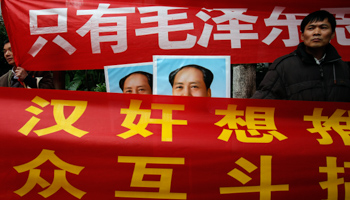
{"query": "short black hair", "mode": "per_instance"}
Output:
(317, 16)
(208, 76)
(5, 42)
(148, 76)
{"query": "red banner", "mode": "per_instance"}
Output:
(77, 34)
(86, 145)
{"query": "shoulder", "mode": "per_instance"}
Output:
(343, 65)
(289, 58)
(4, 79)
(5, 75)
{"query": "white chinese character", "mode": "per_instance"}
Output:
(233, 16)
(340, 31)
(60, 28)
(163, 29)
(291, 22)
(207, 30)
(93, 26)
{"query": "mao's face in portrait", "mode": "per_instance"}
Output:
(190, 82)
(137, 84)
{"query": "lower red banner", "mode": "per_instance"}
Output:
(88, 145)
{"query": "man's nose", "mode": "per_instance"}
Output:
(186, 92)
(7, 52)
(317, 31)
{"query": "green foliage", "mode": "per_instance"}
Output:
(100, 87)
(86, 80)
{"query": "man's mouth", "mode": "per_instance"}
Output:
(9, 60)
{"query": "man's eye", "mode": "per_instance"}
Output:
(178, 87)
(6, 50)
(128, 91)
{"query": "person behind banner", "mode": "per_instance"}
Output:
(138, 82)
(314, 71)
(191, 80)
(19, 77)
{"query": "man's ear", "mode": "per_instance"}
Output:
(209, 92)
(332, 36)
(302, 36)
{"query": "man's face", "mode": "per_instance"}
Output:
(317, 34)
(8, 54)
(137, 84)
(189, 82)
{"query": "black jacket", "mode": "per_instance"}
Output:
(297, 76)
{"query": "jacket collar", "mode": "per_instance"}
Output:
(331, 54)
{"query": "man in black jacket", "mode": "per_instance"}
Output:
(314, 71)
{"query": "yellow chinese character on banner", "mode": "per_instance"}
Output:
(332, 183)
(323, 124)
(256, 118)
(140, 170)
(265, 188)
(166, 121)
(63, 123)
(59, 180)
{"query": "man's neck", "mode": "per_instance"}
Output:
(318, 53)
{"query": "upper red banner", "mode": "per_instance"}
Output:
(77, 34)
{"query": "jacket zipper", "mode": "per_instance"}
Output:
(324, 85)
(323, 82)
